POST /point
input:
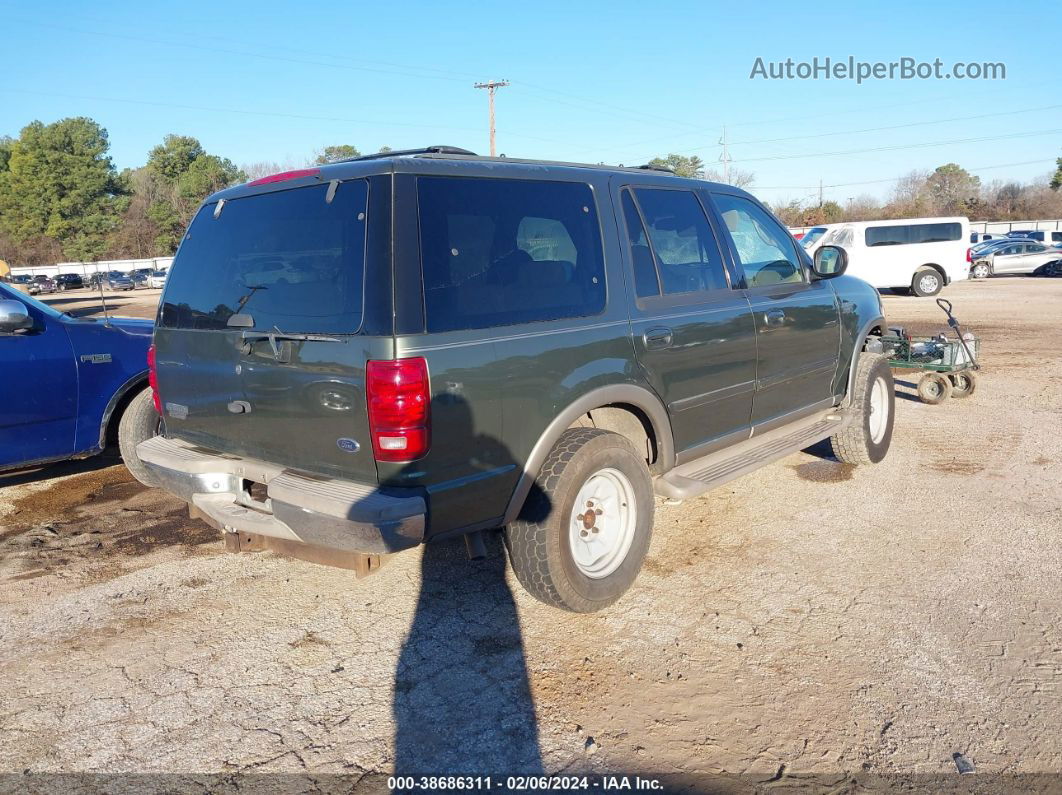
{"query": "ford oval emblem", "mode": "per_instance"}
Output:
(348, 445)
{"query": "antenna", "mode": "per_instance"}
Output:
(103, 302)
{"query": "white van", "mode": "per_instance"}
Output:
(917, 254)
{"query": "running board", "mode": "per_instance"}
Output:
(696, 477)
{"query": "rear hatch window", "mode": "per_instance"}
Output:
(291, 260)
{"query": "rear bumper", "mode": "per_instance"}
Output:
(322, 511)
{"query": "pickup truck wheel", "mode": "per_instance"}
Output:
(867, 437)
(138, 423)
(585, 528)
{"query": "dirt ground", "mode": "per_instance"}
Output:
(809, 625)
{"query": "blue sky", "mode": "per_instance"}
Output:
(613, 82)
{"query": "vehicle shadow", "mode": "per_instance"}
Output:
(44, 472)
(462, 700)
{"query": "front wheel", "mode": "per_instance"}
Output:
(867, 437)
(139, 422)
(584, 531)
(927, 282)
(934, 388)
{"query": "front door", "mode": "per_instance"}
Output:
(797, 329)
(38, 391)
(692, 330)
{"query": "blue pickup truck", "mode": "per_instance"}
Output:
(70, 385)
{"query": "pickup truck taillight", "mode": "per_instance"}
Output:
(398, 397)
(153, 379)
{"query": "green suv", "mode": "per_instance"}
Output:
(355, 359)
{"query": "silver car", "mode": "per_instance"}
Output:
(1017, 257)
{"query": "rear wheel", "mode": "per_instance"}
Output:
(980, 271)
(866, 438)
(934, 388)
(926, 282)
(585, 528)
(138, 423)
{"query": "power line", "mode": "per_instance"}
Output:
(893, 179)
(902, 146)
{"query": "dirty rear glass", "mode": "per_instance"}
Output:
(288, 259)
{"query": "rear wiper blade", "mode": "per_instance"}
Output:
(276, 334)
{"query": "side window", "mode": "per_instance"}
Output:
(645, 281)
(767, 252)
(1036, 248)
(888, 235)
(683, 244)
(496, 252)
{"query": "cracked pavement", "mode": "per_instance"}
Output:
(809, 622)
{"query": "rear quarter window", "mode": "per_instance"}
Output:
(498, 252)
(289, 259)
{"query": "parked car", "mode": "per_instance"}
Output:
(44, 284)
(916, 255)
(1018, 256)
(89, 384)
(1049, 236)
(140, 276)
(157, 279)
(25, 283)
(69, 281)
(982, 237)
(119, 281)
(549, 347)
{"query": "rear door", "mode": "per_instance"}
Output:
(258, 345)
(797, 329)
(693, 332)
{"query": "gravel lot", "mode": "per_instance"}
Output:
(811, 624)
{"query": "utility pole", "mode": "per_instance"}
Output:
(820, 193)
(724, 158)
(491, 85)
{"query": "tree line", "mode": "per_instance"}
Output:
(62, 198)
(948, 190)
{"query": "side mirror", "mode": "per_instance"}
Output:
(14, 316)
(829, 261)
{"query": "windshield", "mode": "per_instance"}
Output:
(811, 236)
(292, 260)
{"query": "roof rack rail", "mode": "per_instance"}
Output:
(656, 167)
(427, 150)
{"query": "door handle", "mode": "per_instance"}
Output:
(657, 337)
(775, 317)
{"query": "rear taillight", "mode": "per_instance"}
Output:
(969, 255)
(398, 396)
(153, 379)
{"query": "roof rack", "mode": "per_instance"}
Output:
(427, 150)
(656, 167)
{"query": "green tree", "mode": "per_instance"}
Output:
(331, 154)
(60, 183)
(953, 188)
(682, 165)
(183, 175)
(1056, 180)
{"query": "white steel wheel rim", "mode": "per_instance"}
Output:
(928, 283)
(602, 524)
(878, 419)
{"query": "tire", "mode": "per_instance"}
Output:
(934, 388)
(867, 438)
(138, 423)
(541, 544)
(927, 282)
(963, 384)
(980, 271)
